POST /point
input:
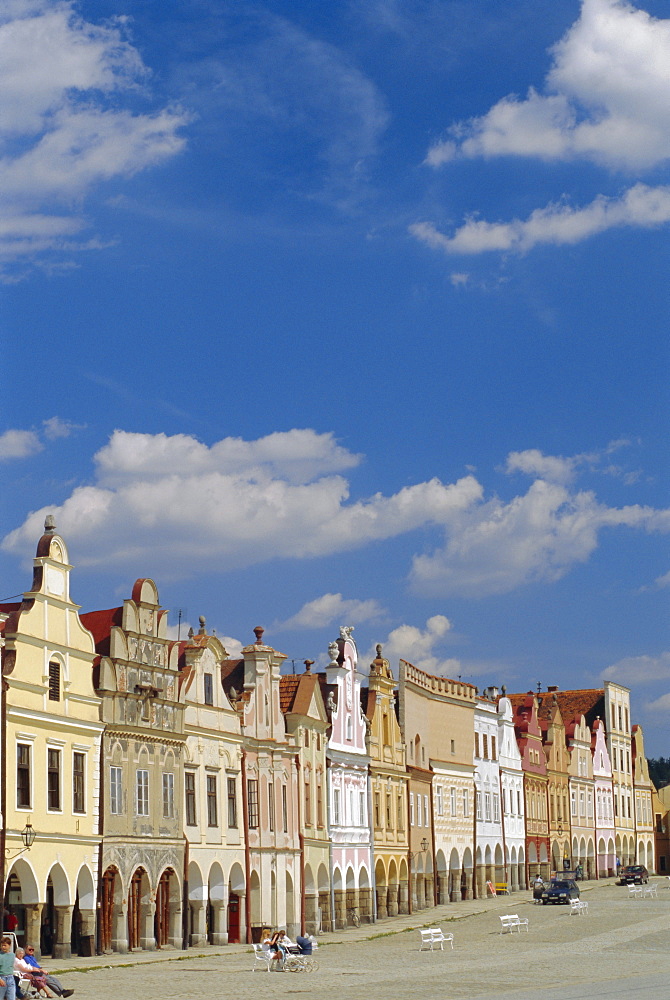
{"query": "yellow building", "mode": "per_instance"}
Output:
(389, 782)
(644, 818)
(52, 760)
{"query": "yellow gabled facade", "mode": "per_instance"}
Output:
(52, 749)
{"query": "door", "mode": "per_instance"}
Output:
(233, 919)
(134, 910)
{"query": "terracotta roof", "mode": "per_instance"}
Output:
(11, 611)
(100, 624)
(326, 689)
(232, 676)
(590, 703)
(288, 688)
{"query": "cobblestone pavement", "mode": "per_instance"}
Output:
(619, 950)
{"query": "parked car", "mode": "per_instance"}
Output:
(633, 875)
(560, 890)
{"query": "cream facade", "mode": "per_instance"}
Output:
(644, 825)
(52, 757)
(212, 813)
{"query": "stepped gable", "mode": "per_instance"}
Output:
(100, 624)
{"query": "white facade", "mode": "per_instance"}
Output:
(511, 779)
(604, 802)
(490, 853)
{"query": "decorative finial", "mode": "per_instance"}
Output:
(504, 690)
(258, 632)
(203, 622)
(379, 648)
(308, 666)
(191, 633)
(50, 524)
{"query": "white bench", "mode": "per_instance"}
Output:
(651, 891)
(262, 958)
(579, 907)
(434, 936)
(635, 891)
(511, 920)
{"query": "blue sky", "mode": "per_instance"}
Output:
(348, 313)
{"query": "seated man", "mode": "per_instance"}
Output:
(36, 976)
(54, 984)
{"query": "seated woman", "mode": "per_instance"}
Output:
(36, 977)
(278, 948)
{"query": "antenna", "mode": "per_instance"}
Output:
(181, 613)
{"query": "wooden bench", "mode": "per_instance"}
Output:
(502, 888)
(579, 907)
(434, 936)
(511, 920)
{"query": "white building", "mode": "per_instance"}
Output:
(511, 780)
(490, 852)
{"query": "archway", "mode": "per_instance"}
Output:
(311, 902)
(513, 872)
(419, 893)
(442, 874)
(351, 896)
(480, 875)
(364, 896)
(454, 877)
(340, 900)
(82, 932)
(488, 864)
(236, 916)
(216, 906)
(113, 935)
(544, 860)
(57, 913)
(22, 899)
(392, 900)
(533, 867)
(466, 875)
(602, 859)
(292, 928)
(499, 866)
(167, 916)
(381, 890)
(591, 867)
(323, 889)
(139, 912)
(556, 862)
(651, 861)
(197, 930)
(521, 869)
(403, 888)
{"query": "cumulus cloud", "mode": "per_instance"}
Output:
(661, 704)
(551, 467)
(639, 669)
(62, 130)
(331, 608)
(419, 646)
(19, 444)
(172, 505)
(556, 224)
(496, 546)
(55, 428)
(606, 98)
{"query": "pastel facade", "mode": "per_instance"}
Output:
(212, 817)
(352, 890)
(535, 783)
(307, 724)
(644, 819)
(270, 790)
(511, 780)
(582, 796)
(661, 805)
(604, 802)
(558, 761)
(437, 721)
(389, 786)
(52, 759)
(136, 676)
(489, 829)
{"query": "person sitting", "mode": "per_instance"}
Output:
(35, 976)
(53, 984)
(278, 949)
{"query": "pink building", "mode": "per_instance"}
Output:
(348, 786)
(604, 801)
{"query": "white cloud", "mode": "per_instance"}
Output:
(55, 428)
(606, 99)
(639, 670)
(172, 505)
(418, 646)
(495, 546)
(551, 467)
(661, 704)
(61, 129)
(557, 224)
(331, 608)
(663, 581)
(19, 444)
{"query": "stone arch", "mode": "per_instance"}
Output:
(140, 911)
(466, 874)
(442, 875)
(591, 868)
(167, 915)
(197, 899)
(651, 862)
(454, 877)
(381, 890)
(22, 868)
(291, 927)
(215, 905)
(113, 930)
(82, 935)
(499, 864)
(61, 886)
(340, 898)
(255, 893)
(236, 929)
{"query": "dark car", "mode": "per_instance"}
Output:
(633, 875)
(560, 891)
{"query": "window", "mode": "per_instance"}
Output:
(308, 797)
(387, 731)
(426, 816)
(620, 719)
(626, 712)
(493, 748)
(479, 805)
(252, 790)
(573, 802)
(319, 801)
(659, 823)
(142, 792)
(378, 818)
(389, 811)
(466, 803)
(189, 788)
(53, 779)
(336, 806)
(485, 741)
(350, 729)
(361, 808)
(487, 806)
(518, 802)
(78, 797)
(115, 791)
(146, 710)
(401, 813)
(411, 808)
(476, 744)
(496, 808)
(212, 809)
(306, 741)
(271, 805)
(453, 746)
(452, 803)
(284, 808)
(168, 795)
(438, 800)
(232, 803)
(209, 689)
(54, 682)
(23, 796)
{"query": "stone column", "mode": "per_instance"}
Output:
(392, 900)
(147, 913)
(481, 881)
(382, 911)
(33, 925)
(429, 889)
(62, 946)
(454, 885)
(340, 908)
(311, 914)
(218, 930)
(175, 937)
(403, 897)
(468, 883)
(324, 906)
(243, 917)
(198, 934)
(442, 887)
(412, 889)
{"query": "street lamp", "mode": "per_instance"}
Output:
(28, 837)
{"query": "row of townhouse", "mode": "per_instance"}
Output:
(180, 797)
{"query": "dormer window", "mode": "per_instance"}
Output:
(54, 682)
